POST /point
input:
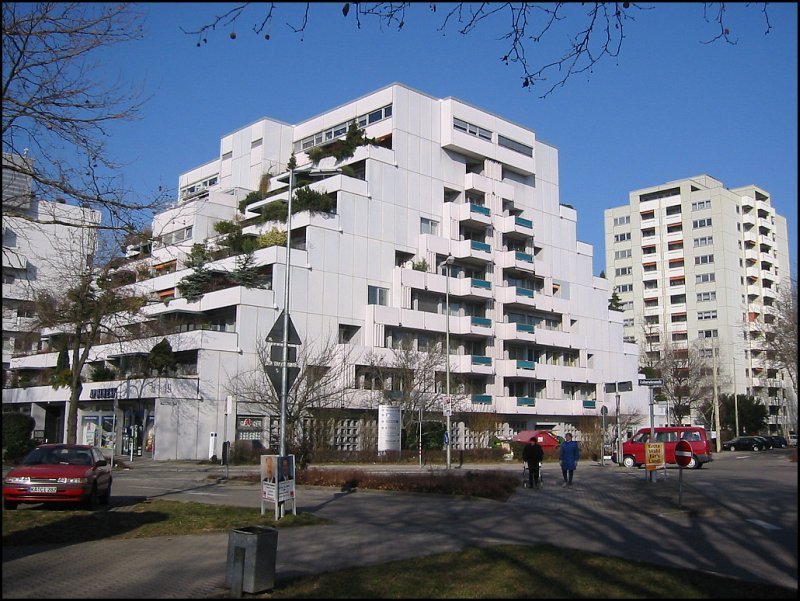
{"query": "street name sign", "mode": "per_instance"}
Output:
(651, 382)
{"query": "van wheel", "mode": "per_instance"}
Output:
(693, 463)
(628, 461)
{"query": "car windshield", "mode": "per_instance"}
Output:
(58, 456)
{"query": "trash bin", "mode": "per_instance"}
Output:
(252, 552)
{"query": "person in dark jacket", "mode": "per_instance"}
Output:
(532, 454)
(568, 455)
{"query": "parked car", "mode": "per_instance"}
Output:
(59, 473)
(766, 441)
(744, 443)
(633, 450)
(778, 442)
(792, 440)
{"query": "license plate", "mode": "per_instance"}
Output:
(44, 488)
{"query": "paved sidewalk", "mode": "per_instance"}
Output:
(607, 510)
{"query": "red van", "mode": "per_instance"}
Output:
(633, 454)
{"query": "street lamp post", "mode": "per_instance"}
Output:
(448, 405)
(285, 355)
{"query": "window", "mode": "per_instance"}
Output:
(675, 263)
(706, 296)
(674, 228)
(707, 334)
(677, 245)
(623, 271)
(9, 238)
(627, 306)
(651, 284)
(703, 315)
(651, 302)
(652, 319)
(428, 226)
(677, 281)
(649, 250)
(702, 278)
(340, 130)
(628, 322)
(473, 130)
(704, 241)
(680, 337)
(674, 210)
(514, 145)
(622, 237)
(678, 318)
(625, 288)
(623, 254)
(703, 259)
(698, 223)
(649, 267)
(647, 215)
(646, 233)
(377, 295)
(622, 220)
(677, 299)
(702, 204)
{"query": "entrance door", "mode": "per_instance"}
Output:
(54, 423)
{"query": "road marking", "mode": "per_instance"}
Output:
(764, 525)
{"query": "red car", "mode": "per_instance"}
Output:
(633, 450)
(59, 473)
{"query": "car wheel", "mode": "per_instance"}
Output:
(693, 464)
(92, 500)
(733, 447)
(628, 461)
(756, 447)
(11, 505)
(106, 498)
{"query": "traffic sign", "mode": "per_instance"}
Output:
(683, 453)
(651, 382)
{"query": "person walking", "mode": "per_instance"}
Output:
(532, 454)
(568, 455)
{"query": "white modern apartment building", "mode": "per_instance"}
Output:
(532, 341)
(34, 232)
(692, 259)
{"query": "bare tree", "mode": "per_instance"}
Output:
(594, 31)
(778, 326)
(81, 301)
(320, 384)
(687, 376)
(56, 108)
(411, 378)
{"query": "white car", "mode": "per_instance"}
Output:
(792, 439)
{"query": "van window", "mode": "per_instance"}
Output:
(666, 436)
(641, 437)
(691, 436)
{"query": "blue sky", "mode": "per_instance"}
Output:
(669, 107)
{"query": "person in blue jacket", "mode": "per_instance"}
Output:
(568, 455)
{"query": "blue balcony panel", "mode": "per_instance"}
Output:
(526, 401)
(482, 399)
(476, 283)
(522, 364)
(481, 360)
(589, 404)
(482, 246)
(483, 322)
(523, 222)
(479, 209)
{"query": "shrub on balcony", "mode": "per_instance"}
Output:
(247, 274)
(161, 358)
(274, 237)
(420, 265)
(102, 373)
(342, 149)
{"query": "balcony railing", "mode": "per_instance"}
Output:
(526, 401)
(481, 399)
(479, 209)
(481, 360)
(481, 322)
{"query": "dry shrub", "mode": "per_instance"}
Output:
(489, 484)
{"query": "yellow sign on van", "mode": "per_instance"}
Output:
(654, 455)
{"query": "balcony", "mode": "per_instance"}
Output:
(513, 258)
(481, 399)
(472, 251)
(512, 224)
(472, 214)
(514, 295)
(526, 401)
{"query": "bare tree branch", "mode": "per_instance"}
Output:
(595, 30)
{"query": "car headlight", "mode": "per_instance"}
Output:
(18, 480)
(72, 480)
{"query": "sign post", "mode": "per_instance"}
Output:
(683, 457)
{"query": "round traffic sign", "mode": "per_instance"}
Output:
(683, 453)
